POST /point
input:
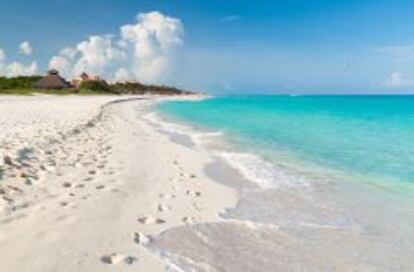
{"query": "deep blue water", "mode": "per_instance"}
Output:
(366, 135)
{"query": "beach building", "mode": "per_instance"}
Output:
(84, 77)
(53, 81)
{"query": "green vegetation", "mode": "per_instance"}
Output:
(138, 88)
(96, 86)
(24, 85)
(18, 83)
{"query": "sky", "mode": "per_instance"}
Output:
(218, 47)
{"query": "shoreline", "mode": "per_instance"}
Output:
(346, 217)
(96, 214)
(120, 191)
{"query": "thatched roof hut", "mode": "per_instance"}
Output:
(52, 81)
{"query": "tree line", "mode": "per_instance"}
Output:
(26, 83)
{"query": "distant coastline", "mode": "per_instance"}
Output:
(28, 85)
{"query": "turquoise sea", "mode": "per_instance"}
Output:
(369, 136)
(330, 178)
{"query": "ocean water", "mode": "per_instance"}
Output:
(332, 177)
(367, 135)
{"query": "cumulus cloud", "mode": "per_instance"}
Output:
(142, 51)
(60, 63)
(122, 75)
(401, 53)
(68, 52)
(26, 48)
(398, 79)
(63, 61)
(18, 69)
(15, 68)
(97, 56)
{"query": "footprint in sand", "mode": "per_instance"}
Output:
(110, 173)
(164, 208)
(113, 258)
(189, 220)
(130, 259)
(141, 239)
(195, 205)
(188, 175)
(193, 193)
(166, 196)
(67, 184)
(150, 220)
(100, 187)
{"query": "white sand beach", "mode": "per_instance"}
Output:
(86, 183)
(99, 184)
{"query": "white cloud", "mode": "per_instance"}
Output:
(26, 48)
(398, 79)
(68, 52)
(98, 56)
(404, 53)
(142, 51)
(122, 75)
(15, 68)
(154, 38)
(60, 63)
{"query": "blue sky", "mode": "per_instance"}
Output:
(295, 46)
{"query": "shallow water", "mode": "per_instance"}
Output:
(333, 184)
(369, 135)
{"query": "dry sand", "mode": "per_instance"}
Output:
(85, 184)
